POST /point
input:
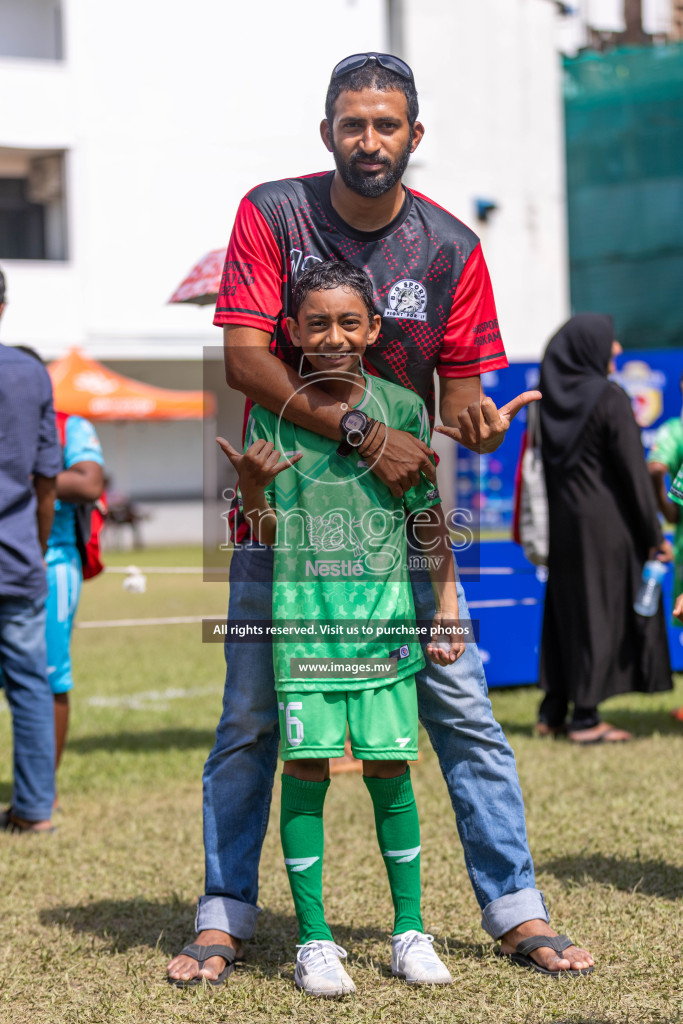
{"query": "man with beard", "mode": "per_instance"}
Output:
(432, 288)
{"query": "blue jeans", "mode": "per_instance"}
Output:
(23, 658)
(476, 761)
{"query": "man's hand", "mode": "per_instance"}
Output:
(678, 607)
(399, 460)
(482, 427)
(259, 465)
(445, 647)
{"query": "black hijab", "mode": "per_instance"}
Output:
(573, 377)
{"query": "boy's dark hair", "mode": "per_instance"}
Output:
(2, 287)
(372, 76)
(322, 277)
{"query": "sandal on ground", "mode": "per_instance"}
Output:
(603, 732)
(8, 823)
(522, 955)
(201, 954)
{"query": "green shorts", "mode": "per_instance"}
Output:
(382, 723)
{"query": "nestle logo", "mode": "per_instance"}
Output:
(329, 567)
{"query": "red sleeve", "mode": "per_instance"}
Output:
(250, 294)
(472, 343)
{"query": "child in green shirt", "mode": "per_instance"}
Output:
(341, 573)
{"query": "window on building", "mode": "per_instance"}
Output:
(32, 205)
(31, 28)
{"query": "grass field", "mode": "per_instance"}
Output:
(90, 916)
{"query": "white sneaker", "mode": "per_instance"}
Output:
(413, 959)
(319, 971)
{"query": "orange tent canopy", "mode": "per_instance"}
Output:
(84, 387)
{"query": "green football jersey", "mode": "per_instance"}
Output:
(341, 588)
(668, 450)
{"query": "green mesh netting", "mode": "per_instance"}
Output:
(624, 124)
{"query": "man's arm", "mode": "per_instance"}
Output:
(471, 418)
(46, 492)
(269, 382)
(83, 482)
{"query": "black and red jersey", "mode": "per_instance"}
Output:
(431, 284)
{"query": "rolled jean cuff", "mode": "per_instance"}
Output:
(226, 915)
(509, 911)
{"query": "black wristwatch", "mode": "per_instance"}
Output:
(354, 426)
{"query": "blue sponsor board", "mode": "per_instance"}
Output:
(485, 483)
(505, 591)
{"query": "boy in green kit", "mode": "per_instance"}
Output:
(676, 494)
(666, 457)
(341, 573)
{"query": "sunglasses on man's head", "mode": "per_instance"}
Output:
(385, 60)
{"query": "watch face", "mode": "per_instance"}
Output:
(354, 420)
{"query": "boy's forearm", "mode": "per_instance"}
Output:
(259, 514)
(658, 473)
(432, 535)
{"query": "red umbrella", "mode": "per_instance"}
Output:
(202, 284)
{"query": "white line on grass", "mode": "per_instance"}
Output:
(176, 620)
(154, 568)
(151, 699)
(182, 620)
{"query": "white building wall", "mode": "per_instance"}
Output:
(168, 118)
(608, 16)
(169, 113)
(490, 93)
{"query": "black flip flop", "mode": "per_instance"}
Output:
(521, 957)
(201, 954)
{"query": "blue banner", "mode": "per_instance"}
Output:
(485, 483)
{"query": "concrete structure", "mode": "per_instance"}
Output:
(490, 96)
(600, 23)
(134, 129)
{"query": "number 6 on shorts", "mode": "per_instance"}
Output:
(295, 727)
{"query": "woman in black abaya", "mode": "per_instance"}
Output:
(603, 526)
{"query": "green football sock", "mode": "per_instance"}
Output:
(398, 832)
(301, 831)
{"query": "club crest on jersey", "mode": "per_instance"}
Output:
(407, 300)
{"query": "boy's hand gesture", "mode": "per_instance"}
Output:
(260, 464)
(445, 646)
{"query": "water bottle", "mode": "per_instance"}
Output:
(647, 598)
